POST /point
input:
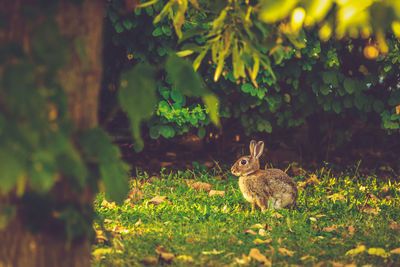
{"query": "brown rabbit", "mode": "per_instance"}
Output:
(270, 187)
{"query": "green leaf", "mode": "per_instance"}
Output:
(177, 96)
(154, 132)
(336, 106)
(212, 103)
(137, 96)
(43, 171)
(349, 85)
(118, 27)
(330, 78)
(183, 76)
(127, 24)
(10, 170)
(157, 32)
(247, 87)
(167, 131)
(325, 89)
(272, 11)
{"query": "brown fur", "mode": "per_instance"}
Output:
(264, 188)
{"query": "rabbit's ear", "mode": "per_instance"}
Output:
(258, 149)
(252, 146)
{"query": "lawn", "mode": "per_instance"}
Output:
(339, 219)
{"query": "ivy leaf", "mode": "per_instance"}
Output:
(247, 87)
(349, 85)
(118, 27)
(137, 96)
(378, 106)
(167, 131)
(43, 171)
(336, 106)
(157, 32)
(127, 24)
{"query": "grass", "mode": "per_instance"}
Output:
(339, 219)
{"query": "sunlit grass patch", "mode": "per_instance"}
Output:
(345, 218)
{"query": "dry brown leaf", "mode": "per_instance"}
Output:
(100, 237)
(260, 241)
(262, 232)
(336, 264)
(329, 229)
(276, 215)
(371, 210)
(336, 196)
(319, 216)
(258, 226)
(250, 232)
(394, 226)
(201, 186)
(157, 199)
(285, 251)
(351, 265)
(167, 257)
(110, 221)
(120, 229)
(313, 219)
(312, 180)
(256, 254)
(216, 193)
(245, 260)
(395, 251)
(139, 222)
(149, 261)
(373, 197)
(107, 204)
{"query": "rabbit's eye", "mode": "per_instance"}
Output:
(243, 161)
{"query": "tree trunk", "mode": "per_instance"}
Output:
(80, 23)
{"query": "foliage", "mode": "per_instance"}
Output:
(302, 76)
(335, 215)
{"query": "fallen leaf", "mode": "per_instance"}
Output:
(157, 199)
(216, 193)
(308, 258)
(201, 186)
(256, 254)
(319, 216)
(167, 257)
(276, 215)
(110, 221)
(262, 232)
(395, 251)
(260, 241)
(356, 250)
(312, 180)
(257, 226)
(185, 258)
(285, 251)
(250, 232)
(120, 229)
(378, 252)
(371, 210)
(139, 222)
(213, 252)
(352, 265)
(336, 264)
(313, 219)
(102, 251)
(244, 260)
(336, 196)
(149, 261)
(100, 237)
(373, 197)
(107, 204)
(329, 229)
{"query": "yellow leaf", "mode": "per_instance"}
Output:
(285, 251)
(185, 258)
(356, 251)
(157, 199)
(107, 204)
(258, 226)
(212, 103)
(216, 193)
(398, 109)
(395, 251)
(313, 219)
(250, 232)
(184, 53)
(260, 241)
(256, 254)
(378, 252)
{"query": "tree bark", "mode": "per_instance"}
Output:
(80, 23)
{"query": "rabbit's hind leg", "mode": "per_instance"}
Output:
(263, 204)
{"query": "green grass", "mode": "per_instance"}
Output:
(330, 219)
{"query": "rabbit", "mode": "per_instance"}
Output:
(270, 187)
